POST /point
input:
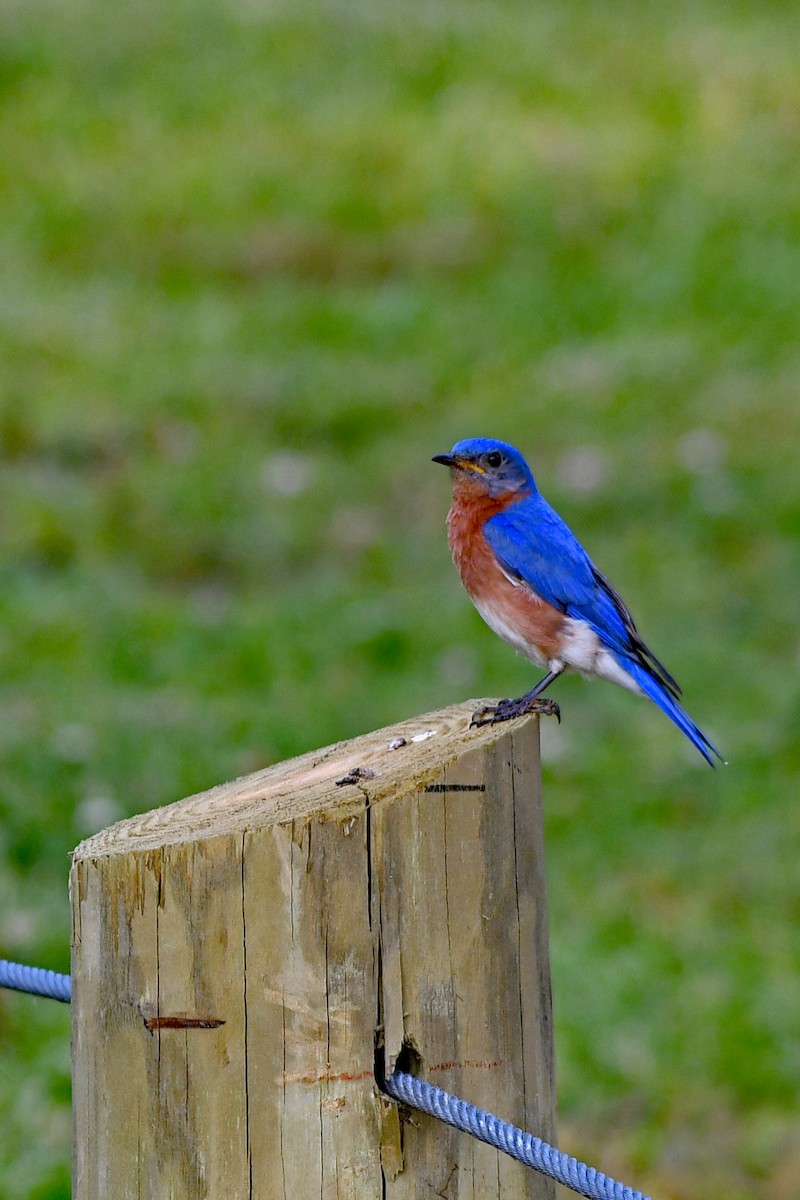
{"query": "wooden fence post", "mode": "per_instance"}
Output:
(236, 955)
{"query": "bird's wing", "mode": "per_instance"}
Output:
(537, 550)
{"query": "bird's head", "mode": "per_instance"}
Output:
(484, 464)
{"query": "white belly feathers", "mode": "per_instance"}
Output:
(580, 648)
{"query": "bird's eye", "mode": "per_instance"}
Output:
(493, 459)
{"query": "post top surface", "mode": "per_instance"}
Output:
(335, 780)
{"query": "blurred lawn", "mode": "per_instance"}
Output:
(259, 262)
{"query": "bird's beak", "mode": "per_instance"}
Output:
(459, 464)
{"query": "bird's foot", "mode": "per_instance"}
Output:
(508, 710)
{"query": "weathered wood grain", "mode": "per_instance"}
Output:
(238, 955)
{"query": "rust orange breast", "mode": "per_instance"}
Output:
(514, 611)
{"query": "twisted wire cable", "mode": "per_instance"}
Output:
(524, 1147)
(416, 1093)
(35, 980)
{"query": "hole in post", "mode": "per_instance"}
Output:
(409, 1060)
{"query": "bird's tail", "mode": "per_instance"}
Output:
(653, 688)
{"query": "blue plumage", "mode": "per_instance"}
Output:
(535, 547)
(538, 553)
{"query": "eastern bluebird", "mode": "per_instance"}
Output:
(535, 586)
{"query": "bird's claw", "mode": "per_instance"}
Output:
(508, 710)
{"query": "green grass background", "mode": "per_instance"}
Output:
(259, 261)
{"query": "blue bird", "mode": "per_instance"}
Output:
(535, 586)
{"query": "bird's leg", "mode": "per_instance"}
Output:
(507, 710)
